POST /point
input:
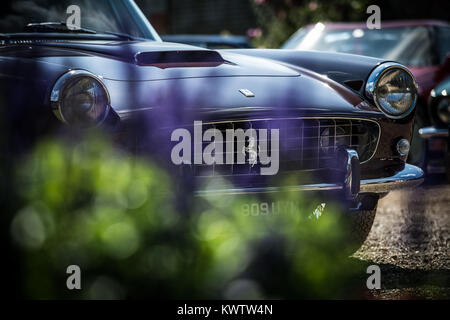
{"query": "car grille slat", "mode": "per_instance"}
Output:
(305, 144)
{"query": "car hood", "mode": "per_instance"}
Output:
(120, 61)
(137, 78)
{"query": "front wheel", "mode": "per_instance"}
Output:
(359, 225)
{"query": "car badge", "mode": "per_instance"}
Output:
(252, 152)
(247, 93)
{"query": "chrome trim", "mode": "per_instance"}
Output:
(352, 174)
(411, 176)
(247, 93)
(128, 111)
(432, 132)
(61, 83)
(377, 75)
(144, 19)
(309, 118)
(237, 191)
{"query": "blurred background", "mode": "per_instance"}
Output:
(270, 23)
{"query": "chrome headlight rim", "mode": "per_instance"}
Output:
(56, 95)
(374, 79)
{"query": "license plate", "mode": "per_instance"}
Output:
(257, 209)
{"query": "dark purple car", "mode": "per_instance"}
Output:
(345, 120)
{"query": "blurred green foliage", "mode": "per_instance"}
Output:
(115, 215)
(279, 19)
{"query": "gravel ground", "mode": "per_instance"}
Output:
(410, 241)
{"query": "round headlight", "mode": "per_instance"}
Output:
(80, 99)
(393, 89)
(443, 110)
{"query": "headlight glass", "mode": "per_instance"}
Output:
(443, 110)
(80, 99)
(395, 92)
(393, 89)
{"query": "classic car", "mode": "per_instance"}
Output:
(346, 121)
(421, 45)
(209, 41)
(438, 134)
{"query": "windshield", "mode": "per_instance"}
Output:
(408, 45)
(101, 16)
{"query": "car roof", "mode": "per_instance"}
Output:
(384, 24)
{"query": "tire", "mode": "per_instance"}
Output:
(359, 226)
(447, 165)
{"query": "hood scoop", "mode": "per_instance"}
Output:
(179, 59)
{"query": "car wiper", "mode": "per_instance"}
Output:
(55, 27)
(62, 27)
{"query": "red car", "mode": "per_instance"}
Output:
(422, 45)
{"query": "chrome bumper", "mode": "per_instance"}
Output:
(411, 176)
(432, 132)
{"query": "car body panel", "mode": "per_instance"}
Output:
(154, 86)
(300, 83)
(385, 24)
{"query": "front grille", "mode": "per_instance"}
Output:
(304, 144)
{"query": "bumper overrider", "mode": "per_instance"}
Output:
(351, 186)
